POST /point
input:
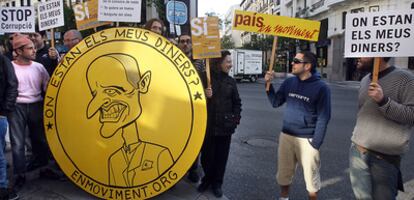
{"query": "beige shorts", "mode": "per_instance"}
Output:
(293, 150)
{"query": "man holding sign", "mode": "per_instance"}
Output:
(382, 131)
(304, 123)
(386, 101)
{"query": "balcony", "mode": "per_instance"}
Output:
(330, 3)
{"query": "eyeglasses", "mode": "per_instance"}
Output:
(188, 41)
(298, 61)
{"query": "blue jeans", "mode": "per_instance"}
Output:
(3, 161)
(372, 177)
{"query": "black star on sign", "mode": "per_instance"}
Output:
(49, 126)
(197, 96)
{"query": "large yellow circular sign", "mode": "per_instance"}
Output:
(125, 114)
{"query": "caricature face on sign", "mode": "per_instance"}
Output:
(112, 122)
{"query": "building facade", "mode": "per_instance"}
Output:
(332, 15)
(235, 35)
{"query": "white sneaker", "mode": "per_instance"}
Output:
(283, 198)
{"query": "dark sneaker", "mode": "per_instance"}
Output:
(13, 195)
(193, 176)
(19, 181)
(33, 165)
(203, 186)
(217, 192)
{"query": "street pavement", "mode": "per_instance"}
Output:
(252, 162)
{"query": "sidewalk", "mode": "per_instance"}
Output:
(46, 189)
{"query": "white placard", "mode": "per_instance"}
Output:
(50, 14)
(380, 34)
(119, 10)
(17, 20)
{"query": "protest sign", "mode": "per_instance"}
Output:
(131, 68)
(205, 37)
(380, 34)
(206, 40)
(50, 14)
(119, 10)
(17, 20)
(276, 25)
(86, 15)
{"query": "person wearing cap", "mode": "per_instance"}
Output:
(32, 80)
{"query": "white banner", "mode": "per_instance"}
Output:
(17, 20)
(380, 34)
(119, 10)
(50, 14)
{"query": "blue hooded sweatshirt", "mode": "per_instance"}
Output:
(308, 109)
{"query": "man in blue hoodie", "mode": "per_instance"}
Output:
(305, 121)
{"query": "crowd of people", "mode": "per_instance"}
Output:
(384, 123)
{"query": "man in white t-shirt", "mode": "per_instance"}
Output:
(32, 82)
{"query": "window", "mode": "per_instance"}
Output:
(357, 10)
(344, 20)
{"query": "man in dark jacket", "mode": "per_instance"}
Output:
(45, 55)
(185, 44)
(305, 121)
(8, 95)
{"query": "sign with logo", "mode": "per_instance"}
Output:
(17, 20)
(50, 14)
(119, 11)
(205, 37)
(276, 25)
(86, 15)
(380, 34)
(177, 12)
(126, 136)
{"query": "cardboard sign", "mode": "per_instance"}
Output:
(276, 25)
(380, 34)
(125, 136)
(17, 20)
(119, 10)
(205, 37)
(86, 15)
(50, 14)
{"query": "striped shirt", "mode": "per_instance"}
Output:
(386, 128)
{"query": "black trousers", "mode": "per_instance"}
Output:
(214, 156)
(31, 116)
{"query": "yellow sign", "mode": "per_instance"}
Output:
(86, 15)
(206, 37)
(276, 25)
(125, 114)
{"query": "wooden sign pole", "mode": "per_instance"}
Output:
(272, 59)
(52, 38)
(375, 71)
(208, 73)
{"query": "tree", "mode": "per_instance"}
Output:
(227, 42)
(213, 14)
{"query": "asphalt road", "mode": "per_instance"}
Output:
(252, 163)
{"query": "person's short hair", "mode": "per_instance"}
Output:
(182, 34)
(216, 62)
(386, 59)
(42, 33)
(151, 21)
(310, 57)
(75, 32)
